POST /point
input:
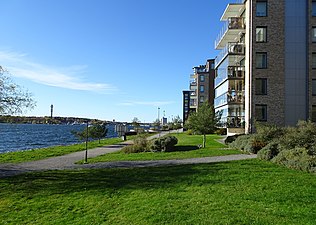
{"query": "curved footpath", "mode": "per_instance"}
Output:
(66, 162)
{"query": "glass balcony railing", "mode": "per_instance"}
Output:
(236, 72)
(233, 23)
(235, 122)
(230, 72)
(230, 97)
(231, 48)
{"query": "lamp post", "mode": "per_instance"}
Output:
(158, 122)
(87, 139)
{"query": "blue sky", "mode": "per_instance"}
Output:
(107, 59)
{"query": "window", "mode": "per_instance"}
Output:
(261, 112)
(314, 34)
(314, 113)
(313, 60)
(202, 88)
(202, 78)
(201, 99)
(261, 34)
(314, 8)
(261, 86)
(261, 60)
(261, 9)
(314, 87)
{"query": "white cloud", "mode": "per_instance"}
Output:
(70, 77)
(150, 103)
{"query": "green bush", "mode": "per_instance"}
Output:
(221, 131)
(164, 143)
(189, 132)
(269, 151)
(297, 158)
(230, 139)
(303, 135)
(241, 142)
(141, 144)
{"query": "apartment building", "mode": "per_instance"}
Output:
(201, 88)
(266, 67)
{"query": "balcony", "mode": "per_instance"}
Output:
(232, 48)
(235, 122)
(232, 72)
(231, 30)
(233, 10)
(234, 97)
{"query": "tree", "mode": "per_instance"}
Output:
(176, 122)
(98, 131)
(136, 124)
(203, 121)
(13, 98)
(94, 132)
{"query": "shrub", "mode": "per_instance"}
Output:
(254, 144)
(303, 135)
(267, 132)
(164, 143)
(189, 132)
(221, 131)
(269, 151)
(296, 158)
(230, 139)
(240, 142)
(141, 144)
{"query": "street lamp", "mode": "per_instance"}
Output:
(158, 122)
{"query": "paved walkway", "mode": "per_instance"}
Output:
(68, 161)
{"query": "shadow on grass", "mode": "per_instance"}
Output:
(185, 148)
(110, 180)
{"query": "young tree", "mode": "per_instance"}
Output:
(203, 121)
(13, 98)
(94, 132)
(98, 131)
(136, 124)
(177, 122)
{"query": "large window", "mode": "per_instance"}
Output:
(261, 60)
(202, 78)
(261, 112)
(261, 34)
(314, 8)
(261, 86)
(314, 60)
(202, 88)
(314, 87)
(314, 34)
(261, 9)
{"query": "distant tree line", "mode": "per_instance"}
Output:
(45, 120)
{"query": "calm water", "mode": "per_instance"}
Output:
(17, 137)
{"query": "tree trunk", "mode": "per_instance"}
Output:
(204, 140)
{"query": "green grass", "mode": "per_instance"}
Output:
(186, 148)
(239, 192)
(36, 154)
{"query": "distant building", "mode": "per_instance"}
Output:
(201, 88)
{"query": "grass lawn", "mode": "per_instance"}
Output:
(36, 154)
(238, 192)
(186, 148)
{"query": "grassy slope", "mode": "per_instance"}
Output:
(187, 148)
(239, 192)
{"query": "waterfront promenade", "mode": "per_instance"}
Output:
(67, 162)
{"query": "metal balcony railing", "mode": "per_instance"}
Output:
(233, 23)
(230, 97)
